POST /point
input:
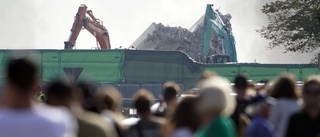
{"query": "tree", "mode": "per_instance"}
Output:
(293, 25)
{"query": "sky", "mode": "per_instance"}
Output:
(46, 24)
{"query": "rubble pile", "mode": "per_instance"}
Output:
(176, 38)
(160, 37)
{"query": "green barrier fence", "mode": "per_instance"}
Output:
(141, 67)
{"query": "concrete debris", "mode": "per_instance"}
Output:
(175, 38)
(160, 37)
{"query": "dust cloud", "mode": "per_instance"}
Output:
(246, 19)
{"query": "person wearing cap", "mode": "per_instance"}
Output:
(260, 111)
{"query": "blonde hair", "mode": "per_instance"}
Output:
(142, 100)
(143, 93)
(171, 84)
(215, 96)
(312, 77)
(207, 74)
(110, 96)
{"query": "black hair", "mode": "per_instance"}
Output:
(241, 82)
(142, 101)
(285, 87)
(186, 114)
(142, 104)
(169, 93)
(22, 73)
(88, 91)
(59, 90)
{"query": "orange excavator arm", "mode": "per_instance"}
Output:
(92, 24)
(100, 32)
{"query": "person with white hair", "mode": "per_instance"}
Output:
(216, 104)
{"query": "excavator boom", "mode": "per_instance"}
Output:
(92, 24)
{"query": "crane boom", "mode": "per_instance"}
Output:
(92, 24)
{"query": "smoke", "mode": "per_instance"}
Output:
(246, 19)
(38, 24)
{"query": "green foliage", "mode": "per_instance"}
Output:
(293, 25)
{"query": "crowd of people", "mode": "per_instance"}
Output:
(215, 109)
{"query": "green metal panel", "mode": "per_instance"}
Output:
(309, 71)
(98, 65)
(3, 57)
(228, 71)
(261, 72)
(190, 77)
(151, 72)
(142, 67)
(50, 66)
(7, 54)
(297, 72)
(159, 67)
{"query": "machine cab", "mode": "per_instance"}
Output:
(217, 59)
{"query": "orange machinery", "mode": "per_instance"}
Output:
(90, 23)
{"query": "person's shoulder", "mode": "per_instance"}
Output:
(287, 101)
(53, 121)
(155, 107)
(50, 112)
(181, 132)
(297, 115)
(222, 126)
(224, 119)
(43, 108)
(158, 120)
(223, 122)
(93, 120)
(59, 116)
(90, 117)
(130, 121)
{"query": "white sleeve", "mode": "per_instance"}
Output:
(71, 123)
(275, 116)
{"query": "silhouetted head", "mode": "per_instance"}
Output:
(186, 114)
(21, 75)
(109, 97)
(241, 82)
(170, 91)
(311, 92)
(142, 101)
(87, 91)
(285, 87)
(59, 93)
